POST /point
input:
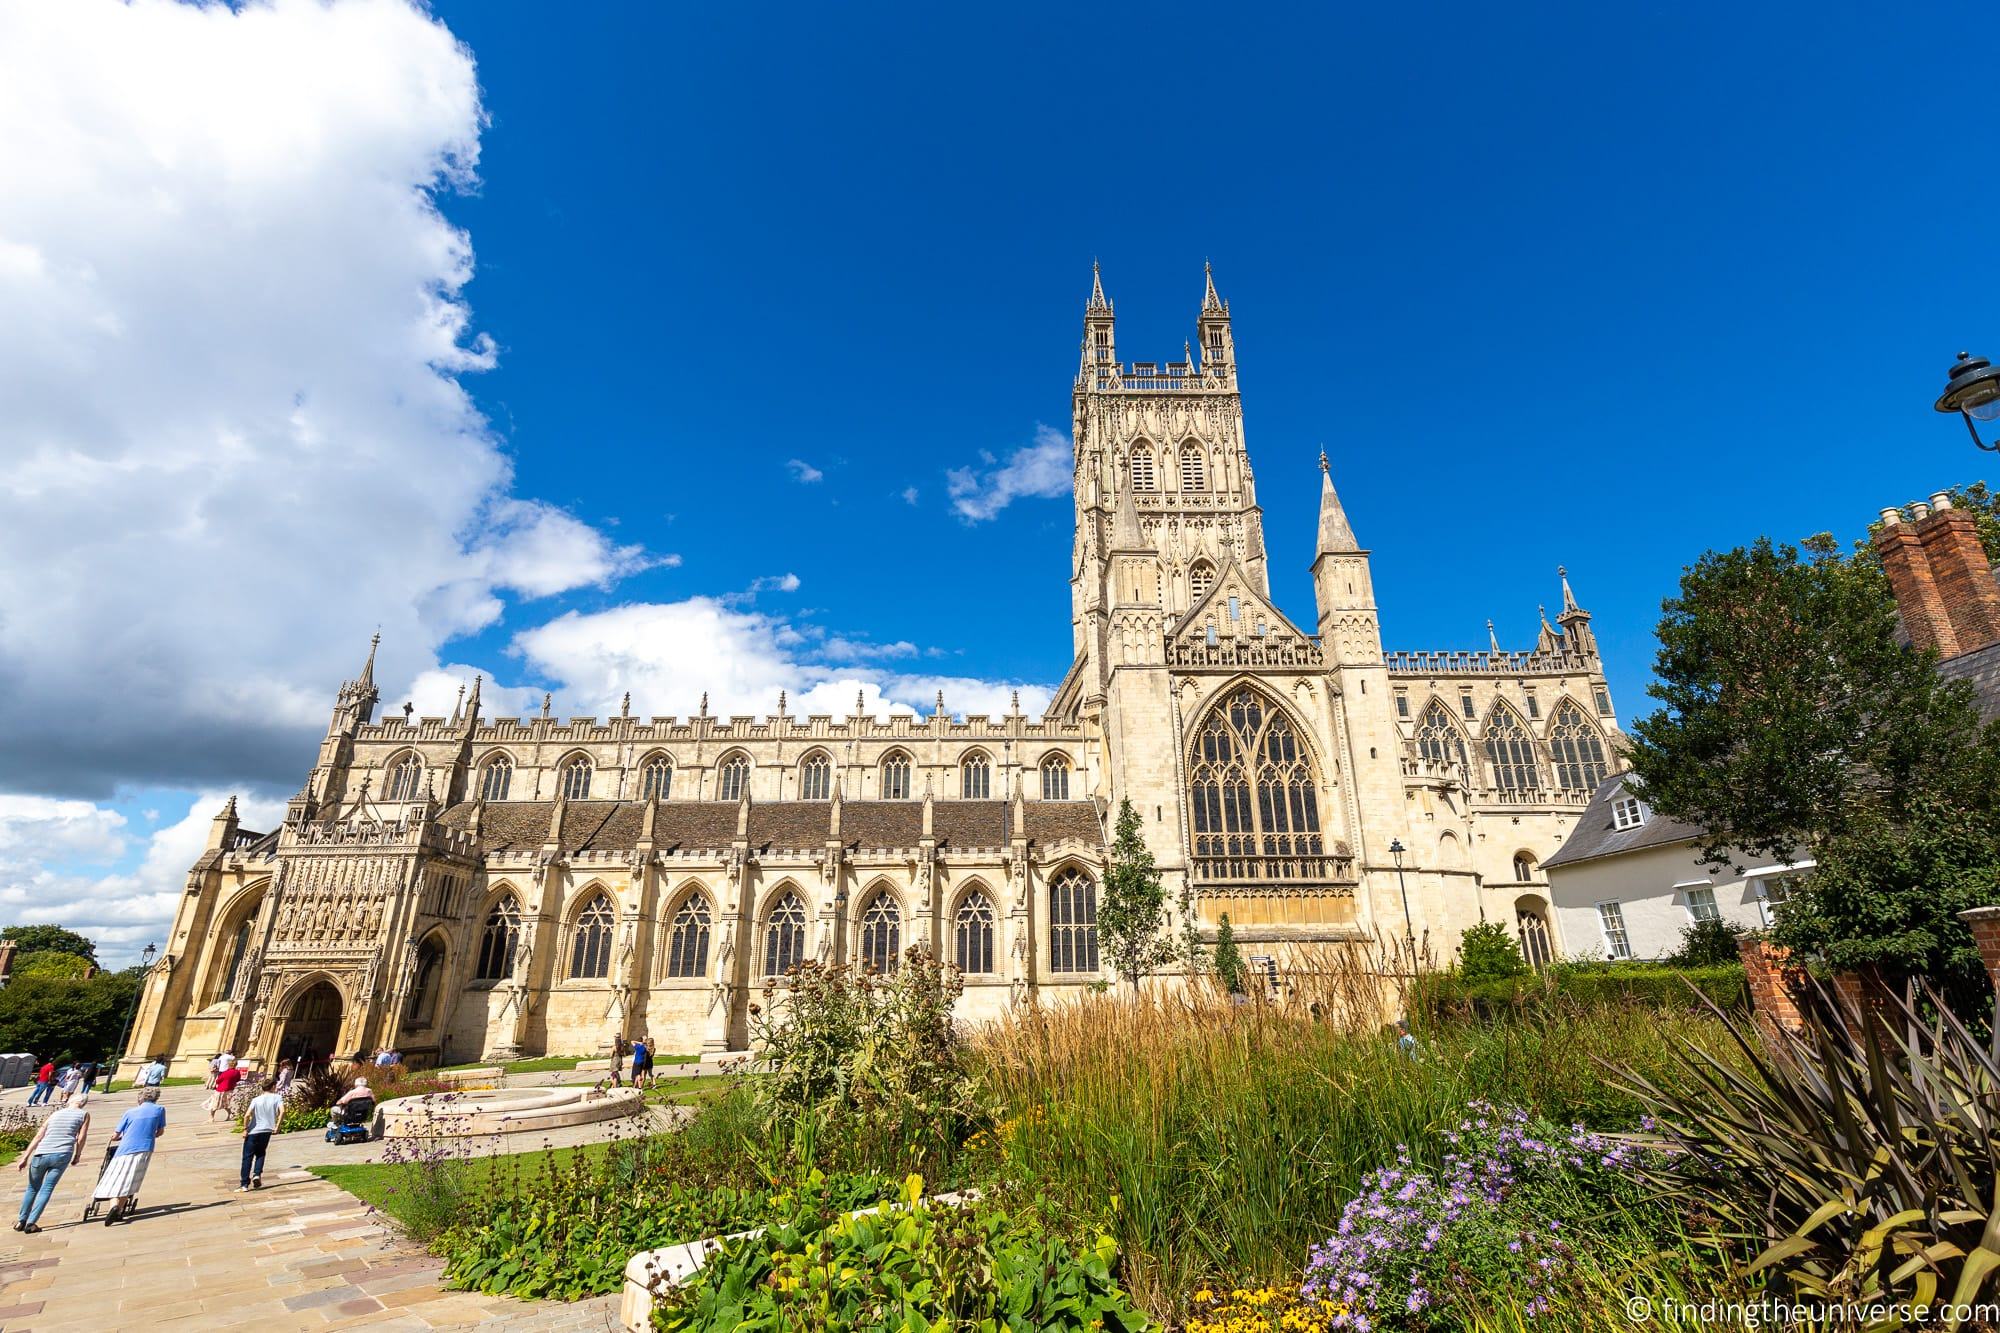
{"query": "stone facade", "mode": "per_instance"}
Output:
(473, 887)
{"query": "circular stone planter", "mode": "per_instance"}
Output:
(504, 1111)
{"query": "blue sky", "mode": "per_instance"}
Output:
(1594, 286)
(624, 347)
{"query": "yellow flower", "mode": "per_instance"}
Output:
(1204, 1295)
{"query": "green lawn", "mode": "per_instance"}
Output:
(540, 1064)
(375, 1183)
(126, 1085)
(693, 1090)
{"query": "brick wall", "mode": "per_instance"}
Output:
(1942, 580)
(1767, 971)
(1985, 923)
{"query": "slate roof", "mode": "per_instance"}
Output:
(595, 826)
(1595, 836)
(1979, 668)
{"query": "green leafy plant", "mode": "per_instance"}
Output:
(916, 1266)
(1858, 1157)
(1708, 942)
(1488, 952)
(1131, 912)
(1228, 959)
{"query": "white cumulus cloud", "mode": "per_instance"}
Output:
(231, 414)
(803, 472)
(1043, 469)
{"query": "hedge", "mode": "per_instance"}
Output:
(1651, 985)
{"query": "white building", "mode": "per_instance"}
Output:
(1627, 882)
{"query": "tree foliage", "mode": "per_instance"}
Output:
(1797, 726)
(1131, 912)
(54, 939)
(66, 1018)
(1489, 952)
(1228, 958)
(52, 963)
(1708, 942)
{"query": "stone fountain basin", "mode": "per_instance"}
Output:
(504, 1111)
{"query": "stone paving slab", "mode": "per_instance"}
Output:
(300, 1253)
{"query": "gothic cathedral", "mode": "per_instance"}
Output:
(479, 887)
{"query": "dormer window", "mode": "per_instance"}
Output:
(1628, 812)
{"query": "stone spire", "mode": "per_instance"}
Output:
(1126, 534)
(1097, 301)
(1336, 537)
(1492, 639)
(367, 677)
(1211, 304)
(1569, 598)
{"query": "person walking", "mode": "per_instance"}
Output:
(89, 1080)
(138, 1132)
(45, 1083)
(287, 1071)
(640, 1061)
(67, 1083)
(214, 1068)
(260, 1122)
(56, 1147)
(154, 1074)
(225, 1083)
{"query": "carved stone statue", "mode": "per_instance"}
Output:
(1018, 882)
(922, 889)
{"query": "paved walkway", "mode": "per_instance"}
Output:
(299, 1254)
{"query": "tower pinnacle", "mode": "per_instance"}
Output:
(1336, 537)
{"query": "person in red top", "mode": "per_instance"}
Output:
(45, 1083)
(225, 1083)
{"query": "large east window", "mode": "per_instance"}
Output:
(1255, 802)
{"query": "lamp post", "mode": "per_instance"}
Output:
(1973, 391)
(1409, 931)
(146, 957)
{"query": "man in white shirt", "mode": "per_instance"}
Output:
(260, 1122)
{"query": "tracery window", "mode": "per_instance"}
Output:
(1055, 778)
(1143, 477)
(1072, 922)
(590, 945)
(1191, 469)
(972, 945)
(881, 933)
(975, 777)
(785, 936)
(896, 777)
(1511, 752)
(1536, 946)
(1439, 740)
(816, 777)
(1256, 805)
(239, 944)
(423, 989)
(687, 940)
(1578, 750)
(732, 778)
(497, 778)
(656, 778)
(497, 940)
(1524, 867)
(406, 779)
(1200, 579)
(574, 779)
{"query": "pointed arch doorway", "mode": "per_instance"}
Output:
(313, 1026)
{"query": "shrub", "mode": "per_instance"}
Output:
(1585, 984)
(1864, 1162)
(1705, 943)
(922, 1265)
(1488, 952)
(1228, 959)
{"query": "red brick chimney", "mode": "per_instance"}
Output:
(1941, 577)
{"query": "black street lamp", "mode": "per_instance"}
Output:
(1973, 391)
(1409, 931)
(146, 957)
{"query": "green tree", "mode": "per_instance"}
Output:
(1489, 952)
(1131, 913)
(37, 939)
(62, 1017)
(1796, 725)
(1228, 960)
(52, 963)
(1708, 942)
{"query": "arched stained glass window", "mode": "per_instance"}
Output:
(687, 940)
(975, 777)
(406, 779)
(896, 777)
(816, 777)
(239, 944)
(590, 945)
(497, 940)
(785, 936)
(732, 778)
(881, 943)
(1143, 476)
(656, 778)
(1524, 867)
(423, 988)
(972, 944)
(1439, 740)
(1536, 946)
(1072, 922)
(1200, 579)
(1511, 752)
(1578, 749)
(497, 778)
(1055, 778)
(574, 779)
(1256, 803)
(1191, 468)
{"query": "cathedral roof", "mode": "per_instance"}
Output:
(596, 826)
